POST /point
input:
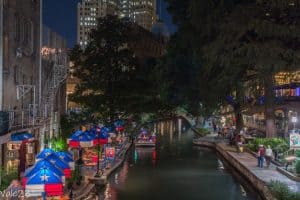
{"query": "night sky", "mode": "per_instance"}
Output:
(61, 16)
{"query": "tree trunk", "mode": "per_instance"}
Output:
(269, 105)
(237, 108)
(238, 117)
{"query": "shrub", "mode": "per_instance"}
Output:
(298, 153)
(281, 191)
(297, 167)
(6, 178)
(277, 144)
(203, 132)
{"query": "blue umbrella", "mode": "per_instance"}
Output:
(144, 131)
(40, 177)
(43, 164)
(55, 160)
(45, 153)
(64, 156)
(46, 182)
(21, 136)
(76, 134)
(119, 123)
(104, 132)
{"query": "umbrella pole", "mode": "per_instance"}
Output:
(44, 196)
(98, 149)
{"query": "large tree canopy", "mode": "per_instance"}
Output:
(111, 80)
(240, 40)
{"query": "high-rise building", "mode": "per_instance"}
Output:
(142, 12)
(87, 13)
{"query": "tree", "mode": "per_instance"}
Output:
(105, 67)
(261, 38)
(240, 41)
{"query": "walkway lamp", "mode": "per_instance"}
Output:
(294, 121)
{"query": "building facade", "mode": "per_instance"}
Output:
(87, 13)
(31, 90)
(19, 73)
(142, 12)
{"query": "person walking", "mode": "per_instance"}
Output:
(261, 156)
(269, 155)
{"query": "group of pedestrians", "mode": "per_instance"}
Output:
(264, 154)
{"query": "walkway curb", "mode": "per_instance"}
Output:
(103, 179)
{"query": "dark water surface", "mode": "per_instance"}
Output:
(175, 170)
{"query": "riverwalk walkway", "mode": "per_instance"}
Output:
(265, 174)
(248, 161)
(85, 189)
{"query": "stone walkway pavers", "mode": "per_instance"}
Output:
(265, 174)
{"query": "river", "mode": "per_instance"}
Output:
(175, 170)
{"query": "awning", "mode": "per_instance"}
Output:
(20, 137)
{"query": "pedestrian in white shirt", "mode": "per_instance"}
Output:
(269, 155)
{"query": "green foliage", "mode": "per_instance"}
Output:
(281, 191)
(203, 132)
(7, 177)
(298, 153)
(297, 167)
(241, 45)
(76, 178)
(112, 79)
(278, 144)
(59, 144)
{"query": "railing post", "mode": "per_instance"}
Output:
(22, 119)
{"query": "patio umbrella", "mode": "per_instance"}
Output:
(44, 181)
(42, 164)
(119, 124)
(81, 139)
(103, 136)
(20, 137)
(55, 160)
(67, 158)
(46, 152)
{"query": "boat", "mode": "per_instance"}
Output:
(145, 139)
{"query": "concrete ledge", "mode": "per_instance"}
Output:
(256, 182)
(288, 174)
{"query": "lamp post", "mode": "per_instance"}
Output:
(294, 121)
(98, 162)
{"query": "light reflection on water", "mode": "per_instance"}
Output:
(174, 170)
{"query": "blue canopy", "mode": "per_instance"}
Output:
(76, 134)
(55, 160)
(43, 164)
(44, 176)
(104, 132)
(144, 131)
(111, 129)
(45, 153)
(119, 123)
(21, 136)
(64, 156)
(83, 136)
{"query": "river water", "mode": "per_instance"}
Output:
(175, 170)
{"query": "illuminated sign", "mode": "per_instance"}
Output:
(110, 152)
